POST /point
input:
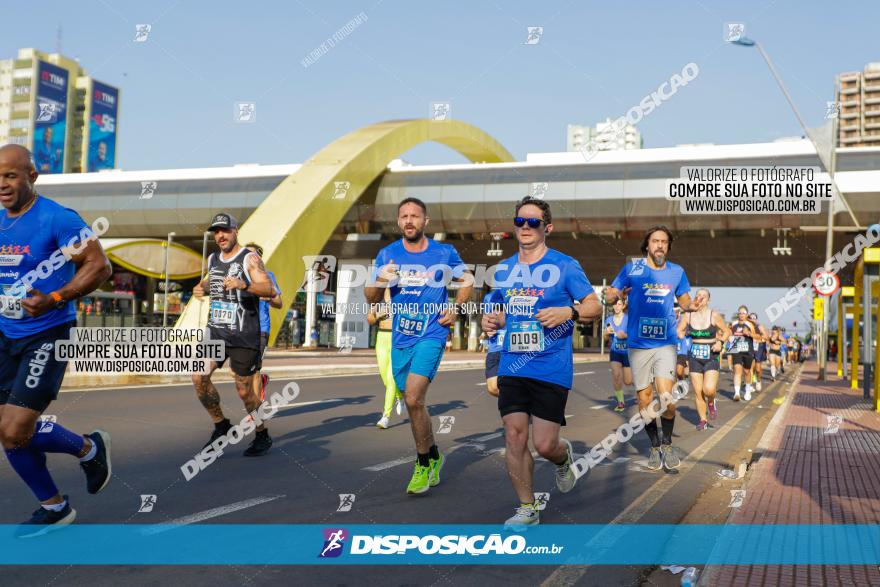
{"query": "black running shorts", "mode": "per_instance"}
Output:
(531, 396)
(30, 377)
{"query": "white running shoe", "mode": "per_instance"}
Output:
(383, 422)
(748, 395)
(758, 386)
(526, 515)
(565, 478)
(736, 396)
(398, 406)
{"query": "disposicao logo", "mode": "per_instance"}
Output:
(334, 542)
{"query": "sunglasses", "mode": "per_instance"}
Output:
(519, 222)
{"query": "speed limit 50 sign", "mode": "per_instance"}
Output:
(826, 284)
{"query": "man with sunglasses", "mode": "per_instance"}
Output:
(418, 270)
(653, 284)
(539, 287)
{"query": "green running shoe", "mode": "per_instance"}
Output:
(420, 481)
(436, 465)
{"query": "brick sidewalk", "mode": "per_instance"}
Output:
(809, 476)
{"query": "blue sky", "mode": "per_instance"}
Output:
(593, 61)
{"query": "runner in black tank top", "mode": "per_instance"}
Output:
(235, 282)
(774, 351)
(760, 354)
(743, 332)
(707, 331)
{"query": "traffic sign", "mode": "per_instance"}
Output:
(826, 283)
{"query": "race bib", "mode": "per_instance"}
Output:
(222, 312)
(412, 324)
(618, 346)
(653, 328)
(701, 351)
(10, 306)
(525, 337)
(741, 346)
(499, 336)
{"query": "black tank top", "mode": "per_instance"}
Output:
(701, 333)
(234, 315)
(738, 328)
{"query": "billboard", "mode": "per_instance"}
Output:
(50, 118)
(104, 111)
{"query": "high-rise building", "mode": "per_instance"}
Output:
(604, 137)
(50, 105)
(858, 94)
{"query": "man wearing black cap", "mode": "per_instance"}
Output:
(235, 282)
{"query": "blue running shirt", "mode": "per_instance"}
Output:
(530, 349)
(618, 345)
(420, 290)
(28, 240)
(496, 343)
(651, 302)
(684, 346)
(265, 324)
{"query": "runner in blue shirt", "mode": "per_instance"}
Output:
(682, 351)
(496, 344)
(652, 284)
(50, 259)
(418, 270)
(540, 287)
(621, 373)
(261, 383)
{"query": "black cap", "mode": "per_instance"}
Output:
(223, 220)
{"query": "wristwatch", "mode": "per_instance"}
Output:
(574, 314)
(59, 301)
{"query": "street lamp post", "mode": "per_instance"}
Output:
(171, 236)
(822, 345)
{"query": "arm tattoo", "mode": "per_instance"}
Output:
(256, 264)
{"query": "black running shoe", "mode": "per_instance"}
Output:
(259, 446)
(99, 469)
(220, 429)
(44, 521)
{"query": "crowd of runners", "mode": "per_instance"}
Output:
(665, 340)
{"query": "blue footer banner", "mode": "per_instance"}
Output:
(352, 544)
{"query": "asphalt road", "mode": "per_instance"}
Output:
(326, 444)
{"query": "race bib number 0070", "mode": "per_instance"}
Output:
(222, 312)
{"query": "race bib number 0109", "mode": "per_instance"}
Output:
(222, 312)
(525, 337)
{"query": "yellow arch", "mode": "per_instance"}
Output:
(299, 216)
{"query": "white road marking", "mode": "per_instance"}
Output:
(481, 384)
(489, 436)
(389, 464)
(599, 407)
(208, 514)
(585, 373)
(311, 403)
